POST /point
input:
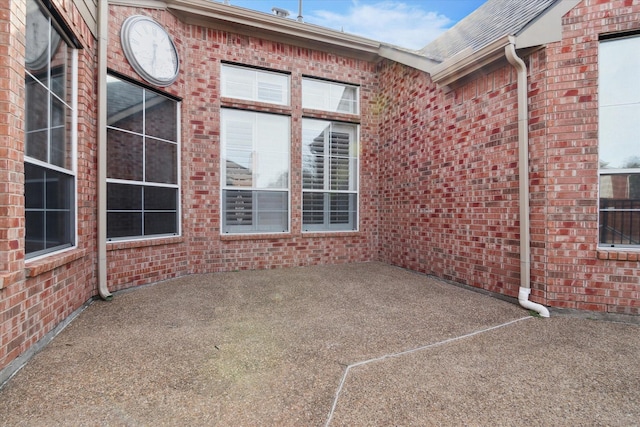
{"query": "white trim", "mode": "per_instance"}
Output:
(74, 139)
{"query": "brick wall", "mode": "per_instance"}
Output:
(38, 294)
(201, 248)
(450, 196)
(449, 200)
(578, 274)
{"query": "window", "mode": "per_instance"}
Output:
(619, 124)
(329, 96)
(255, 172)
(143, 191)
(330, 176)
(254, 85)
(50, 133)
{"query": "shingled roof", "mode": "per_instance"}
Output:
(491, 21)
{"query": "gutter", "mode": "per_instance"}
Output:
(523, 163)
(103, 40)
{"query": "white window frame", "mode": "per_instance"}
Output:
(255, 80)
(55, 33)
(254, 188)
(619, 93)
(147, 184)
(327, 191)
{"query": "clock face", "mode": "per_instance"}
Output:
(150, 50)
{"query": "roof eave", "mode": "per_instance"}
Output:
(468, 61)
(405, 57)
(246, 21)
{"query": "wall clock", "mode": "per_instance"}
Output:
(150, 50)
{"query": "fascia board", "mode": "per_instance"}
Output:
(413, 60)
(467, 61)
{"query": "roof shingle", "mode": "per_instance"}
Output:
(491, 21)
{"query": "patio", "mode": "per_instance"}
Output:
(356, 344)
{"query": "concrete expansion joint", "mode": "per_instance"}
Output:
(343, 380)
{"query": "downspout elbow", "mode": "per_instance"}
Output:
(523, 299)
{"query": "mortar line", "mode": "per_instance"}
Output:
(405, 352)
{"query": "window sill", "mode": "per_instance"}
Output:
(329, 234)
(255, 105)
(266, 236)
(142, 243)
(329, 115)
(40, 266)
(621, 254)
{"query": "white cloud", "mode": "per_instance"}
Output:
(389, 21)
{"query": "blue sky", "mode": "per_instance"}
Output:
(407, 23)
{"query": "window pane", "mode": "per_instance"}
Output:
(313, 208)
(49, 201)
(238, 208)
(61, 57)
(619, 130)
(124, 197)
(239, 168)
(124, 155)
(343, 208)
(58, 191)
(160, 223)
(37, 120)
(34, 233)
(161, 161)
(329, 96)
(160, 118)
(237, 82)
(273, 88)
(620, 228)
(160, 198)
(619, 100)
(255, 85)
(58, 228)
(124, 105)
(37, 98)
(61, 117)
(273, 212)
(36, 145)
(37, 39)
(124, 224)
(34, 192)
(255, 149)
(272, 146)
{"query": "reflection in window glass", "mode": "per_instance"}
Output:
(142, 166)
(619, 150)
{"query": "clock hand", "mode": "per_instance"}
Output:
(153, 60)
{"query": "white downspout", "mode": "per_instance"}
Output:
(523, 153)
(103, 39)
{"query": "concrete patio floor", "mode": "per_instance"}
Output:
(350, 345)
